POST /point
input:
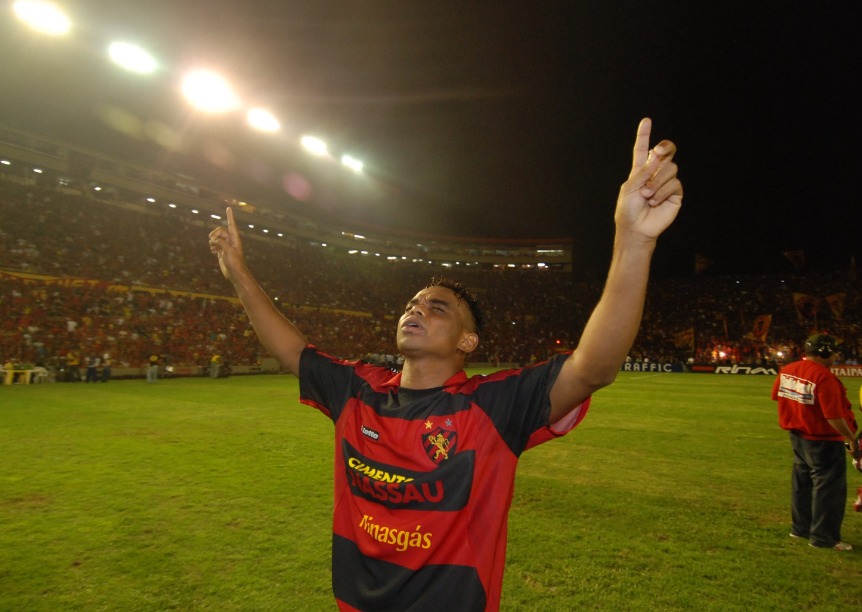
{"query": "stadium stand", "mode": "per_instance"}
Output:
(101, 271)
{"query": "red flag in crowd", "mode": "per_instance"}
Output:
(806, 306)
(836, 304)
(701, 263)
(797, 258)
(760, 328)
(684, 339)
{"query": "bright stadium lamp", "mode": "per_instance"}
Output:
(209, 92)
(43, 17)
(263, 120)
(314, 145)
(352, 163)
(132, 58)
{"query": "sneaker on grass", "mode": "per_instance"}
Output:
(840, 546)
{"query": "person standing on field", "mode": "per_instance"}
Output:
(425, 458)
(92, 368)
(73, 367)
(153, 368)
(106, 367)
(813, 407)
(215, 365)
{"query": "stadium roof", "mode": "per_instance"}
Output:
(508, 120)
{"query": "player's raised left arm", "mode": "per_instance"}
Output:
(647, 204)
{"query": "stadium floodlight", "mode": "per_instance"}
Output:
(209, 92)
(43, 17)
(352, 163)
(132, 57)
(314, 145)
(263, 120)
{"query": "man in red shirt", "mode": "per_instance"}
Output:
(813, 407)
(425, 458)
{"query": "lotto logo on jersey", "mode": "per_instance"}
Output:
(440, 444)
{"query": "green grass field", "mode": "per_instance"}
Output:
(199, 494)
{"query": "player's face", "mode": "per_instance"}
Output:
(434, 322)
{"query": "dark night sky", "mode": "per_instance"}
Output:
(492, 119)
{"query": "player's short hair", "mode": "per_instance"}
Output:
(464, 296)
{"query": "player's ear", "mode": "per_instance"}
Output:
(469, 341)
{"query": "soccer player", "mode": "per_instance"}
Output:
(425, 458)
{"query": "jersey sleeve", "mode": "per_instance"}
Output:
(519, 404)
(833, 399)
(327, 383)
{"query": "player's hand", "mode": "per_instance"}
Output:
(855, 453)
(652, 196)
(226, 243)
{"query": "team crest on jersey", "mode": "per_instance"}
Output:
(440, 444)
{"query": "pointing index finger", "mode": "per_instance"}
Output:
(640, 155)
(231, 223)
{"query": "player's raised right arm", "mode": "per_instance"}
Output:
(280, 337)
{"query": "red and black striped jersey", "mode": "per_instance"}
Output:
(424, 478)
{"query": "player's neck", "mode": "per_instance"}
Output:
(428, 373)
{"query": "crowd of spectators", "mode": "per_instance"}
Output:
(114, 277)
(724, 315)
